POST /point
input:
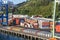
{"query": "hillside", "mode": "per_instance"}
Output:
(36, 7)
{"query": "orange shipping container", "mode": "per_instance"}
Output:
(57, 28)
(45, 23)
(52, 39)
(51, 25)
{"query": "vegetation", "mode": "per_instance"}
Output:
(57, 10)
(36, 7)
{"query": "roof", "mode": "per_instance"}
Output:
(47, 19)
(20, 16)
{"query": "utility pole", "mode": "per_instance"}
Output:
(54, 13)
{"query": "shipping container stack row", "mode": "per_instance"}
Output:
(43, 26)
(32, 23)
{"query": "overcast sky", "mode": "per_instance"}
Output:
(17, 1)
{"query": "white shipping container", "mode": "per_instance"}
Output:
(40, 23)
(21, 24)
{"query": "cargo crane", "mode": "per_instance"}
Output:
(3, 15)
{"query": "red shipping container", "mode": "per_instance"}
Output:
(57, 28)
(17, 21)
(45, 23)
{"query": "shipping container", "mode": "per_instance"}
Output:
(51, 25)
(22, 24)
(22, 21)
(57, 28)
(35, 25)
(43, 24)
(17, 21)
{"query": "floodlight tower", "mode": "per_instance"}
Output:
(54, 13)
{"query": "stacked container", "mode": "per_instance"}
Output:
(14, 21)
(35, 25)
(22, 21)
(51, 24)
(27, 23)
(10, 21)
(31, 23)
(58, 27)
(17, 21)
(43, 24)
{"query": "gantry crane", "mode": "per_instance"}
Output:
(2, 16)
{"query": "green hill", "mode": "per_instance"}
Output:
(36, 7)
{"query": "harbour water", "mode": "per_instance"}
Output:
(9, 37)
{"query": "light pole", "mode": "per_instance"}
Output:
(54, 13)
(54, 17)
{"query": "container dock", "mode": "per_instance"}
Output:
(23, 35)
(27, 27)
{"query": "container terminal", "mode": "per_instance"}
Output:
(30, 28)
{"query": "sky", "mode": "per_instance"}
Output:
(17, 1)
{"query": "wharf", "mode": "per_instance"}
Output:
(22, 34)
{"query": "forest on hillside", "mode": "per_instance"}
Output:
(36, 7)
